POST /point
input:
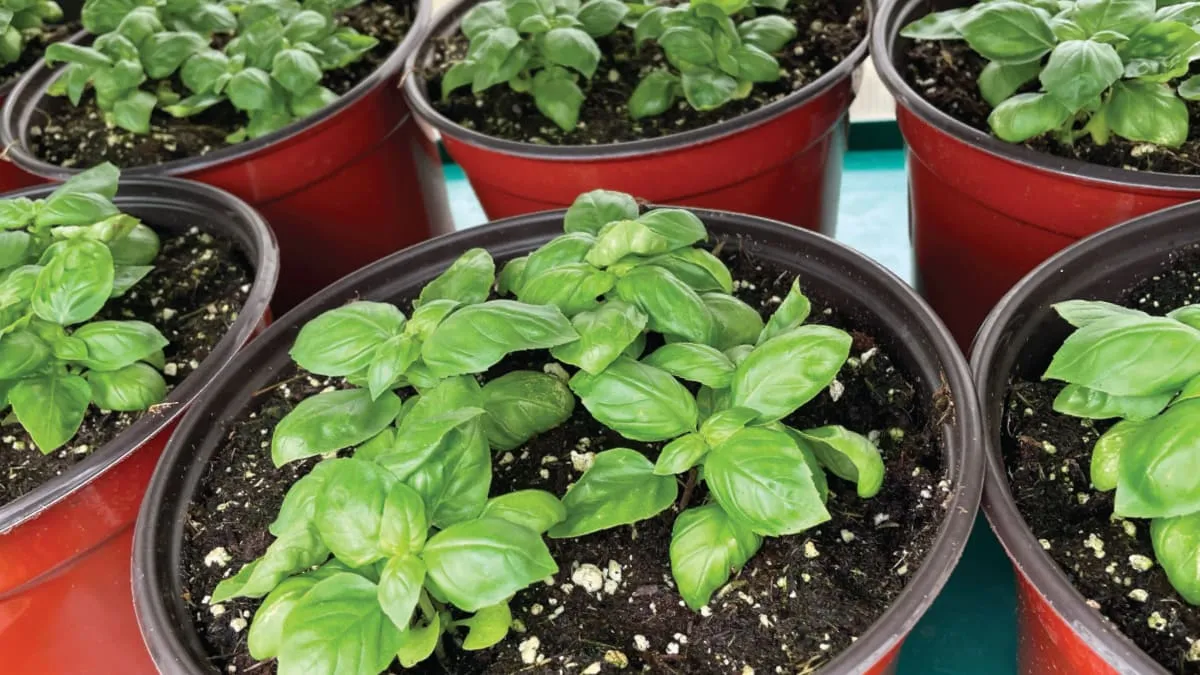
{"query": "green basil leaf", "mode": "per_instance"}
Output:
(400, 588)
(21, 353)
(163, 53)
(419, 642)
(557, 97)
(479, 563)
(483, 17)
(672, 308)
(134, 387)
(331, 421)
(523, 404)
(1191, 390)
(724, 423)
(755, 65)
(627, 237)
(266, 631)
(681, 454)
(707, 89)
(849, 456)
(1078, 71)
(1189, 315)
(1007, 31)
(115, 344)
(404, 526)
(620, 488)
(459, 75)
(429, 316)
(1177, 548)
(424, 429)
(349, 510)
(537, 510)
(760, 478)
(250, 89)
(204, 70)
(1079, 401)
(591, 211)
(935, 26)
(296, 70)
(769, 33)
(638, 401)
(1158, 465)
(573, 288)
(1080, 313)
(1129, 356)
(390, 361)
(487, 627)
(604, 334)
(342, 341)
(570, 248)
(509, 280)
(686, 45)
(1183, 12)
(300, 503)
(734, 322)
(1025, 116)
(1159, 51)
(706, 547)
(601, 17)
(787, 371)
(139, 246)
(338, 627)
(75, 283)
(126, 277)
(475, 338)
(791, 313)
(1147, 112)
(14, 248)
(694, 362)
(652, 24)
(1106, 454)
(999, 81)
(468, 281)
(810, 458)
(454, 482)
(1122, 16)
(655, 94)
(17, 212)
(697, 268)
(295, 551)
(74, 208)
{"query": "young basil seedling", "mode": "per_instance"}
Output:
(1101, 67)
(18, 19)
(1145, 371)
(61, 259)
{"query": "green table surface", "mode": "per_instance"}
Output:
(970, 629)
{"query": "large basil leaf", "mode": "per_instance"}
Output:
(706, 547)
(74, 208)
(734, 322)
(523, 404)
(565, 250)
(75, 283)
(573, 287)
(591, 211)
(342, 341)
(655, 232)
(620, 488)
(101, 179)
(999, 81)
(134, 387)
(479, 563)
(849, 456)
(1148, 112)
(295, 551)
(1189, 315)
(694, 362)
(1158, 466)
(1177, 549)
(454, 482)
(787, 371)
(300, 502)
(1025, 116)
(1121, 16)
(266, 631)
(1079, 71)
(338, 628)
(390, 361)
(1190, 391)
(508, 282)
(405, 526)
(419, 642)
(468, 281)
(1080, 313)
(724, 423)
(1080, 401)
(50, 408)
(21, 352)
(792, 312)
(697, 268)
(428, 317)
(349, 510)
(475, 338)
(331, 421)
(681, 454)
(421, 435)
(935, 26)
(400, 588)
(604, 334)
(1007, 31)
(1106, 454)
(638, 401)
(760, 478)
(1129, 356)
(672, 307)
(536, 509)
(116, 344)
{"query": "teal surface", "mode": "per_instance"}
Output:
(970, 629)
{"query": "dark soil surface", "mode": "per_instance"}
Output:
(193, 296)
(1048, 457)
(798, 603)
(945, 73)
(35, 46)
(828, 31)
(73, 136)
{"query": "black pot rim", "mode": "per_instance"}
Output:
(152, 556)
(1018, 540)
(183, 195)
(885, 40)
(415, 89)
(39, 75)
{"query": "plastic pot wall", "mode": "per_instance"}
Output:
(783, 161)
(831, 271)
(65, 600)
(984, 212)
(342, 188)
(1059, 633)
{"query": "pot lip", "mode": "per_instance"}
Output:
(39, 76)
(1018, 540)
(182, 195)
(415, 92)
(885, 33)
(150, 561)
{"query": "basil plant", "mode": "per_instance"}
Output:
(61, 259)
(536, 47)
(1143, 371)
(1101, 67)
(713, 59)
(274, 56)
(18, 18)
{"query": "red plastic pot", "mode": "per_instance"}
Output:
(782, 161)
(1059, 632)
(913, 334)
(984, 212)
(65, 600)
(342, 188)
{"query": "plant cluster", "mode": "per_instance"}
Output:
(1104, 66)
(1144, 371)
(274, 56)
(20, 17)
(61, 259)
(418, 549)
(541, 47)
